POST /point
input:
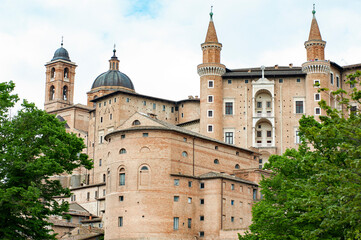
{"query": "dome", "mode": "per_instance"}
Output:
(61, 53)
(113, 78)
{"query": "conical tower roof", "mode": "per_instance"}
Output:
(315, 33)
(211, 33)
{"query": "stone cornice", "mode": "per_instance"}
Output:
(316, 67)
(211, 69)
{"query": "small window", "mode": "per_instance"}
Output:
(144, 103)
(254, 194)
(229, 108)
(201, 201)
(210, 84)
(229, 81)
(259, 104)
(122, 151)
(163, 107)
(317, 97)
(185, 139)
(176, 198)
(298, 80)
(297, 136)
(99, 104)
(216, 147)
(115, 99)
(201, 218)
(246, 81)
(189, 222)
(111, 116)
(122, 177)
(189, 200)
(127, 100)
(201, 186)
(232, 186)
(176, 182)
(269, 133)
(120, 221)
(237, 166)
(100, 162)
(104, 177)
(316, 83)
(317, 111)
(331, 78)
(338, 81)
(182, 115)
(121, 198)
(268, 104)
(136, 122)
(189, 183)
(216, 161)
(280, 80)
(145, 134)
(210, 128)
(122, 136)
(104, 191)
(184, 154)
(105, 103)
(172, 109)
(154, 106)
(175, 223)
(210, 113)
(144, 168)
(299, 106)
(210, 99)
(201, 234)
(110, 101)
(259, 133)
(232, 219)
(101, 119)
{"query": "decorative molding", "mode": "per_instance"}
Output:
(211, 70)
(208, 45)
(316, 67)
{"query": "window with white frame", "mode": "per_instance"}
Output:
(210, 84)
(316, 83)
(228, 107)
(209, 128)
(317, 111)
(210, 99)
(331, 78)
(210, 113)
(317, 97)
(297, 136)
(228, 137)
(101, 136)
(337, 81)
(299, 106)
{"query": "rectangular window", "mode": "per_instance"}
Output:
(172, 109)
(189, 222)
(104, 192)
(259, 133)
(201, 218)
(201, 201)
(105, 103)
(331, 78)
(317, 111)
(232, 202)
(298, 80)
(163, 107)
(210, 128)
(338, 81)
(189, 183)
(101, 119)
(210, 84)
(182, 115)
(96, 194)
(229, 81)
(128, 100)
(176, 198)
(210, 113)
(100, 162)
(176, 182)
(154, 106)
(269, 133)
(232, 219)
(144, 103)
(201, 186)
(353, 110)
(268, 104)
(246, 81)
(176, 108)
(120, 221)
(100, 104)
(145, 134)
(175, 223)
(299, 106)
(201, 234)
(232, 186)
(189, 200)
(110, 101)
(352, 84)
(317, 97)
(254, 194)
(229, 108)
(122, 179)
(210, 99)
(259, 104)
(297, 136)
(111, 116)
(280, 80)
(100, 139)
(229, 137)
(122, 136)
(121, 198)
(88, 196)
(316, 83)
(115, 100)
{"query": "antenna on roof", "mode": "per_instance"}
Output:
(62, 39)
(211, 13)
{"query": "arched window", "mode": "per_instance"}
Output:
(144, 176)
(94, 103)
(66, 73)
(136, 122)
(237, 166)
(184, 154)
(122, 151)
(52, 73)
(216, 161)
(122, 177)
(65, 93)
(52, 93)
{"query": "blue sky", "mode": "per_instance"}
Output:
(158, 42)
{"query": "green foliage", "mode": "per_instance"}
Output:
(314, 192)
(34, 147)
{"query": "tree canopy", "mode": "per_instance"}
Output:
(34, 147)
(315, 192)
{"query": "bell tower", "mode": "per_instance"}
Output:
(59, 86)
(316, 67)
(211, 85)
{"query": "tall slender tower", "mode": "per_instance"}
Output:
(59, 86)
(211, 88)
(316, 67)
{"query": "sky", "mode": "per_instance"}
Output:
(158, 41)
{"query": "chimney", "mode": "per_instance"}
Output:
(196, 97)
(276, 66)
(291, 65)
(190, 97)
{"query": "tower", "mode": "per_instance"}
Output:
(211, 85)
(316, 67)
(59, 86)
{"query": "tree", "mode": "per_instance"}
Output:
(34, 146)
(315, 192)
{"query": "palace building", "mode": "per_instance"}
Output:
(187, 169)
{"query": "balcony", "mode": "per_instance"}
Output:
(264, 114)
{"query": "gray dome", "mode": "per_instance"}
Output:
(113, 78)
(61, 53)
